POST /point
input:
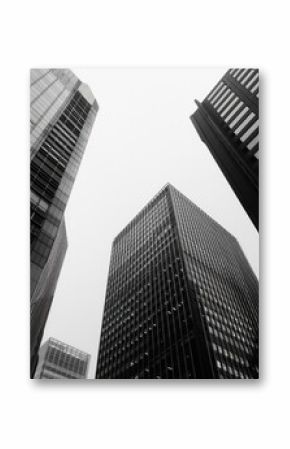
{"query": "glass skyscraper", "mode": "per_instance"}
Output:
(181, 299)
(58, 360)
(227, 121)
(62, 114)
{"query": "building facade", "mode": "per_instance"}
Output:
(181, 299)
(62, 114)
(227, 121)
(58, 360)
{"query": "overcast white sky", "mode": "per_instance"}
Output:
(142, 139)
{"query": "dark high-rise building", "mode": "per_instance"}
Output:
(181, 299)
(62, 113)
(227, 121)
(57, 360)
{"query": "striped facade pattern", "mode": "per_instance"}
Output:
(181, 299)
(227, 121)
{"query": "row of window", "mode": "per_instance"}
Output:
(214, 262)
(249, 78)
(152, 312)
(237, 115)
(230, 108)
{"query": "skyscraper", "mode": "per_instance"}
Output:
(58, 360)
(62, 113)
(227, 121)
(181, 299)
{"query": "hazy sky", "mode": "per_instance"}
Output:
(142, 139)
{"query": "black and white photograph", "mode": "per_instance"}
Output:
(144, 223)
(144, 240)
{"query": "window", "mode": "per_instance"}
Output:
(239, 116)
(244, 123)
(239, 105)
(233, 101)
(250, 131)
(247, 77)
(253, 142)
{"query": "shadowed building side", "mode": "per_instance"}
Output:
(227, 121)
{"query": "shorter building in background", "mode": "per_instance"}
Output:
(227, 121)
(57, 360)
